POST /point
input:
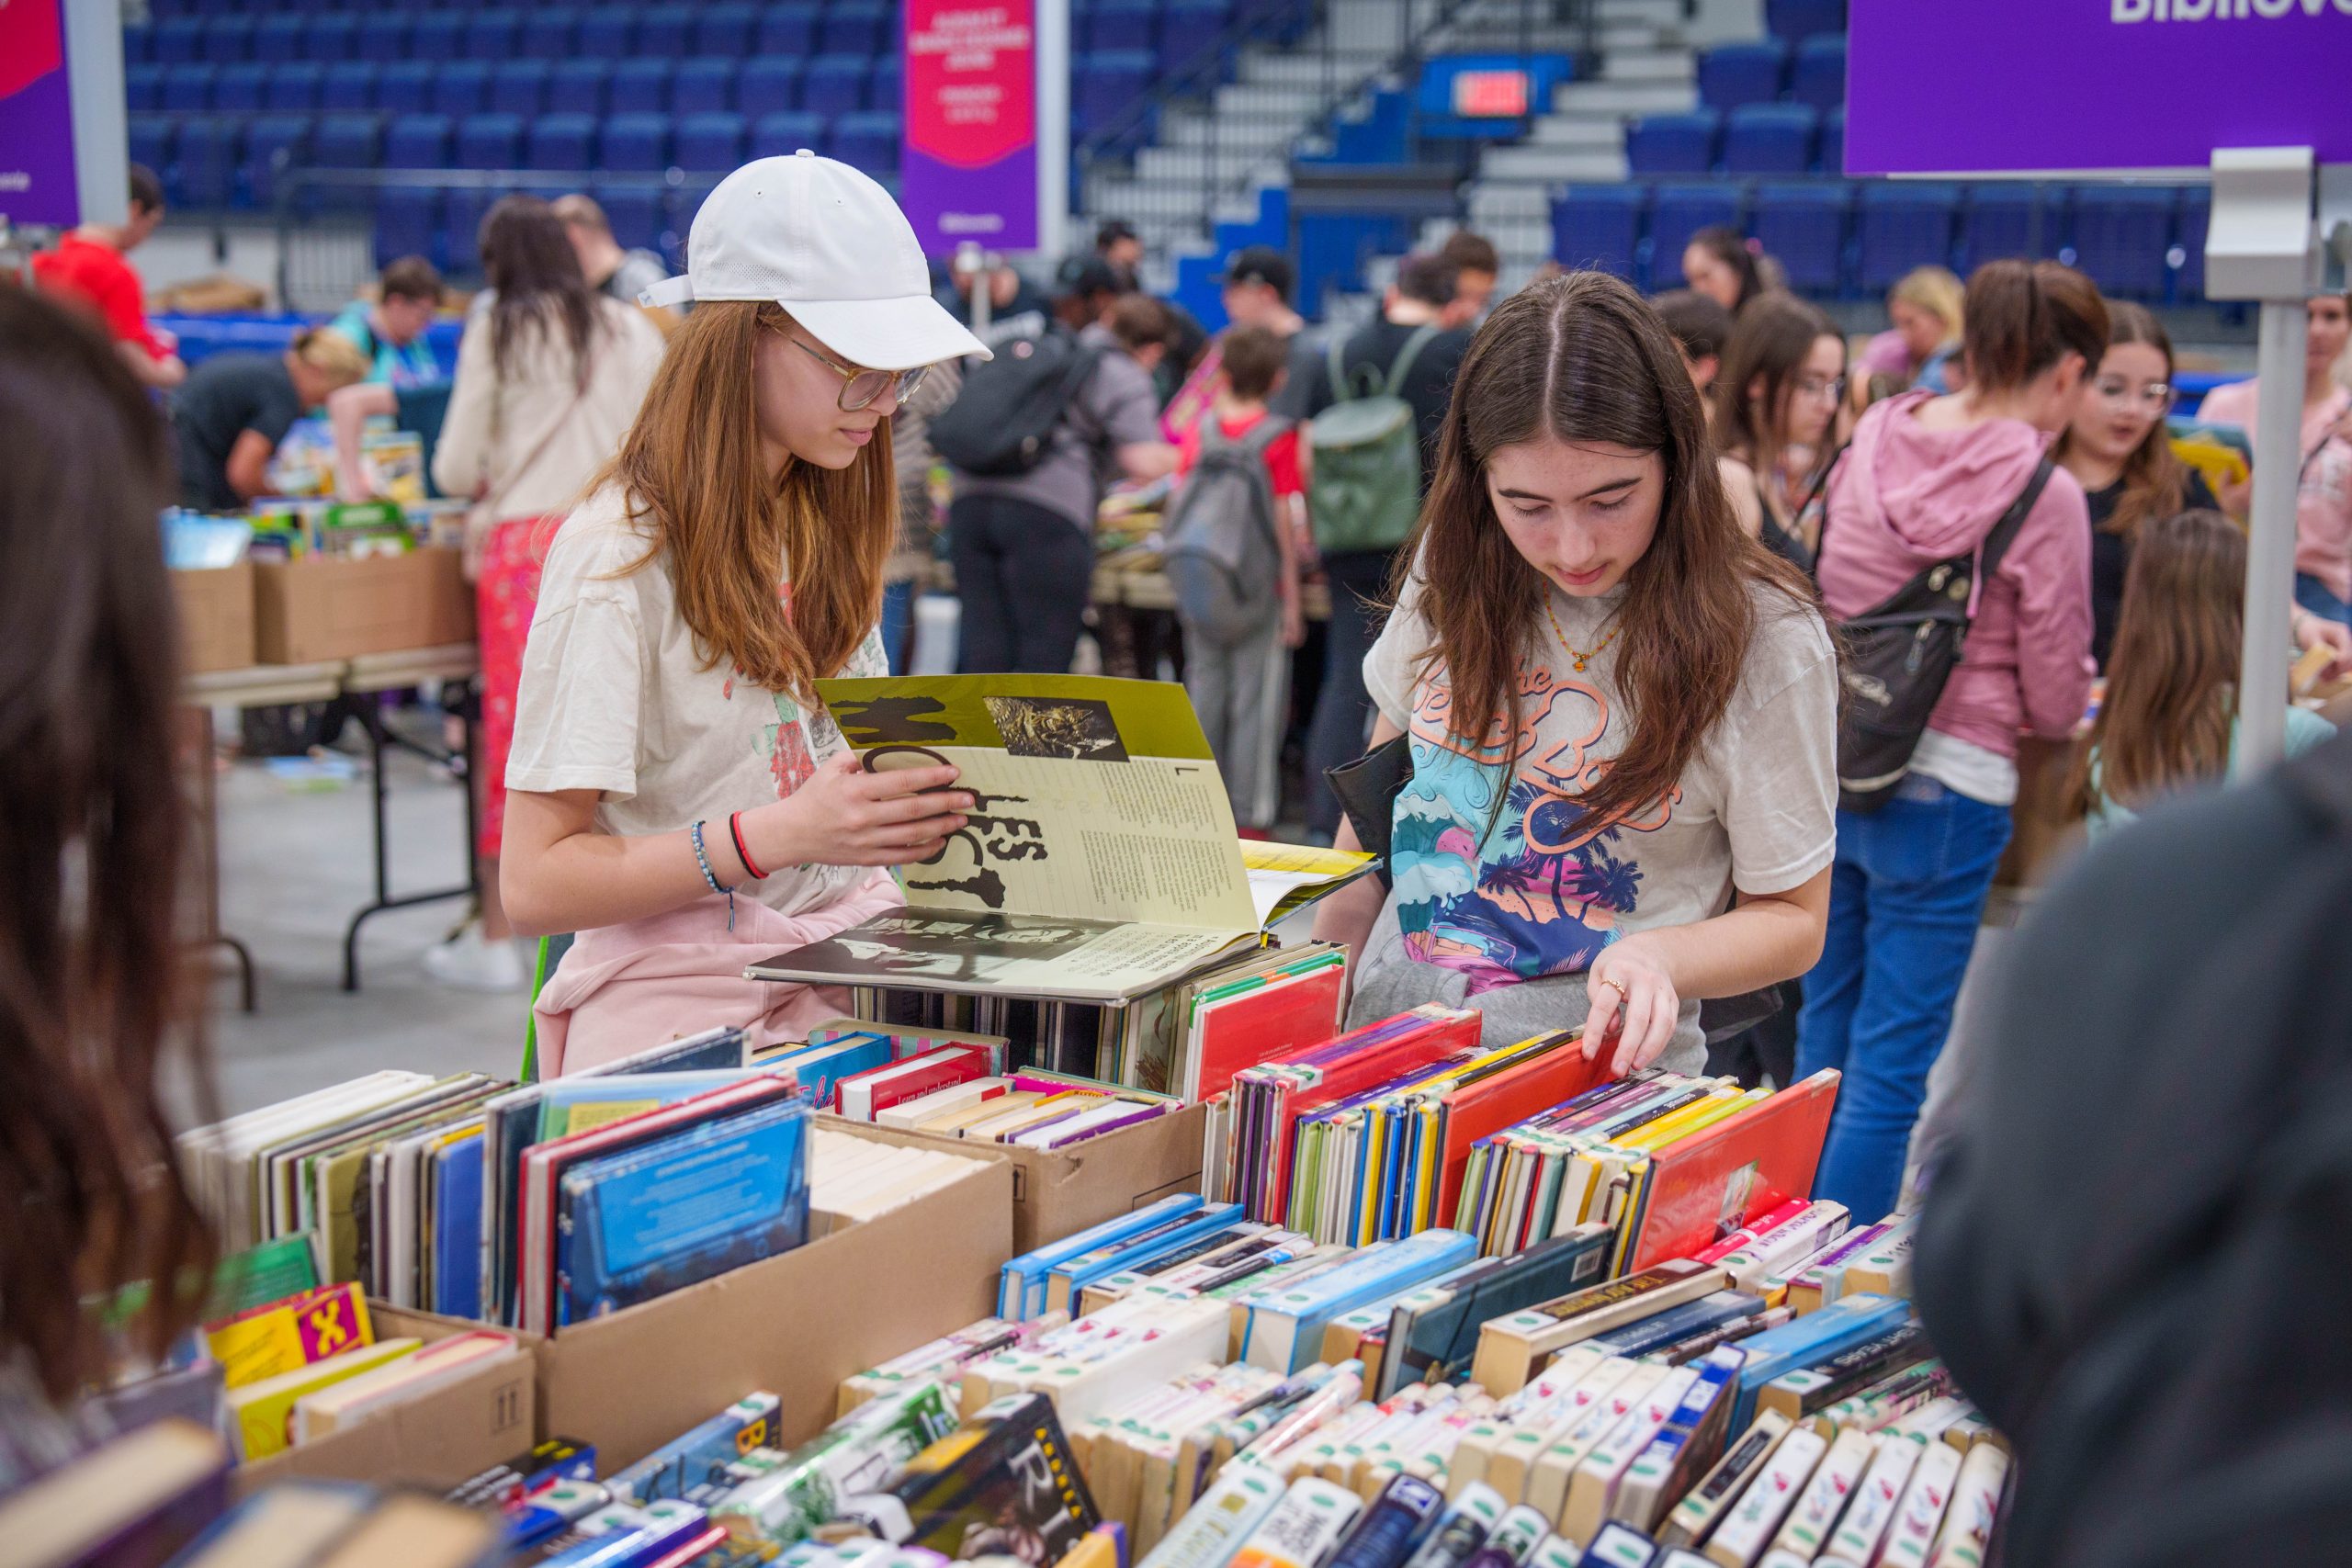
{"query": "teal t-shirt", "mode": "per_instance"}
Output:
(393, 365)
(2305, 730)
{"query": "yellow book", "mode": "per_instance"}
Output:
(290, 1333)
(1690, 1119)
(263, 1412)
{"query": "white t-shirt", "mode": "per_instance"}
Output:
(1542, 893)
(616, 697)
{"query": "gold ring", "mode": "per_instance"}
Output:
(1623, 994)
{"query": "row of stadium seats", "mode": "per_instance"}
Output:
(1733, 75)
(828, 85)
(1759, 139)
(442, 225)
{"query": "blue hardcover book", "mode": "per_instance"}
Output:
(457, 1229)
(1020, 1292)
(1068, 1279)
(647, 1221)
(824, 1065)
(1661, 1329)
(687, 1461)
(1810, 1340)
(1285, 1327)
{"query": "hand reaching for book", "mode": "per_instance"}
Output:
(1634, 1006)
(845, 815)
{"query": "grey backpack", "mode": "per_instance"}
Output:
(1221, 554)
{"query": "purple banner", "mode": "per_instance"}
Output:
(969, 170)
(2000, 86)
(37, 184)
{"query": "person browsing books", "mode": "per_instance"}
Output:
(681, 797)
(1621, 708)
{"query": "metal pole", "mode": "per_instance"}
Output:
(2270, 543)
(1051, 21)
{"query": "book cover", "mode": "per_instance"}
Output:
(1004, 1485)
(263, 1412)
(1710, 1184)
(861, 1096)
(1436, 1341)
(858, 1454)
(1302, 1529)
(1208, 1533)
(1023, 1290)
(689, 1459)
(1510, 1345)
(1256, 1018)
(286, 1334)
(456, 1176)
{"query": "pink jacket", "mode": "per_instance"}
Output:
(1905, 497)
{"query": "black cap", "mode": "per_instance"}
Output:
(1261, 263)
(1080, 277)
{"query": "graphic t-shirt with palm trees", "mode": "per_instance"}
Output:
(1526, 885)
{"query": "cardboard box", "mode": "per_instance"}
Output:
(1058, 1194)
(796, 1326)
(216, 610)
(434, 1441)
(323, 607)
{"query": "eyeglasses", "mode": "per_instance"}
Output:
(2154, 398)
(859, 389)
(1813, 387)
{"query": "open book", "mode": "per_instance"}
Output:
(1100, 862)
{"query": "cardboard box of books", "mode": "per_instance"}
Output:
(216, 610)
(321, 607)
(1058, 1192)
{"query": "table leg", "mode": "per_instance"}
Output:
(378, 745)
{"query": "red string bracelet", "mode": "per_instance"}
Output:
(735, 828)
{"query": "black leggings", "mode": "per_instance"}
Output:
(1024, 573)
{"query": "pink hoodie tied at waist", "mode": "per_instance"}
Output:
(624, 988)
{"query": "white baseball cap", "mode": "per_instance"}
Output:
(828, 244)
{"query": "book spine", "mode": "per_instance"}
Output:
(1303, 1527)
(1748, 1529)
(1967, 1534)
(1921, 1514)
(1860, 1533)
(1806, 1530)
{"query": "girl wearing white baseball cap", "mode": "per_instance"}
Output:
(678, 794)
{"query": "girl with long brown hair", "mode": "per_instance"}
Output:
(1776, 398)
(2169, 717)
(1622, 707)
(681, 796)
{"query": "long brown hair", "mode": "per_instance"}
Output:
(1583, 358)
(527, 258)
(2155, 480)
(2023, 317)
(92, 988)
(1770, 343)
(691, 468)
(2173, 679)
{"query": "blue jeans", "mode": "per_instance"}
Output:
(1905, 895)
(897, 619)
(2313, 595)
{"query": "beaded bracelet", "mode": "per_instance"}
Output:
(701, 858)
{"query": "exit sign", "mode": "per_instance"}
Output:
(1490, 95)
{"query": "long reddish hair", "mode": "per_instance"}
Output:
(1583, 358)
(691, 470)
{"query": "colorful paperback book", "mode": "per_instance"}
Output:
(1691, 1439)
(1283, 1008)
(286, 1334)
(1021, 1292)
(262, 1413)
(856, 1455)
(1131, 1252)
(1286, 1327)
(454, 1175)
(1810, 1340)
(1716, 1180)
(1304, 1528)
(1511, 1347)
(1001, 1485)
(1435, 1340)
(821, 1065)
(684, 1463)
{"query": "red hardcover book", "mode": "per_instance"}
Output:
(1336, 1070)
(1504, 1100)
(861, 1095)
(1729, 1175)
(1285, 1015)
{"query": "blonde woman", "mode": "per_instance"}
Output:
(234, 409)
(1922, 348)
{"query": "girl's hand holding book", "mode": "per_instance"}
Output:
(845, 815)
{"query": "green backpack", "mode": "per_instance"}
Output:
(1366, 489)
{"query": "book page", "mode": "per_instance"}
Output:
(1036, 955)
(1098, 799)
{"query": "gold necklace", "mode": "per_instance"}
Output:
(1579, 657)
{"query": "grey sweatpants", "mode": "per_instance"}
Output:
(1240, 693)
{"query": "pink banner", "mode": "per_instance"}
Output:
(969, 167)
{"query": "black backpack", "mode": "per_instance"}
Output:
(1003, 422)
(1899, 654)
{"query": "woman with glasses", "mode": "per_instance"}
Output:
(1776, 406)
(550, 374)
(682, 799)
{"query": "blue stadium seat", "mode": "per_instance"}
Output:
(867, 141)
(419, 142)
(2196, 217)
(664, 31)
(332, 39)
(206, 168)
(152, 138)
(1903, 224)
(835, 85)
(296, 87)
(279, 39)
(685, 200)
(1189, 28)
(404, 87)
(768, 86)
(1804, 226)
(348, 86)
(1770, 139)
(142, 89)
(493, 35)
(187, 89)
(139, 46)
(1732, 75)
(1673, 143)
(490, 141)
(238, 88)
(439, 35)
(228, 39)
(608, 32)
(1599, 227)
(519, 86)
(408, 223)
(383, 36)
(637, 216)
(2006, 219)
(1830, 157)
(348, 141)
(462, 87)
(562, 142)
(635, 144)
(1109, 81)
(640, 86)
(1819, 77)
(886, 89)
(1125, 24)
(855, 26)
(179, 41)
(781, 135)
(1678, 211)
(2121, 233)
(789, 31)
(578, 87)
(1794, 19)
(265, 139)
(711, 141)
(461, 216)
(703, 87)
(548, 32)
(726, 28)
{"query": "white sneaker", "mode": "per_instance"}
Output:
(468, 961)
